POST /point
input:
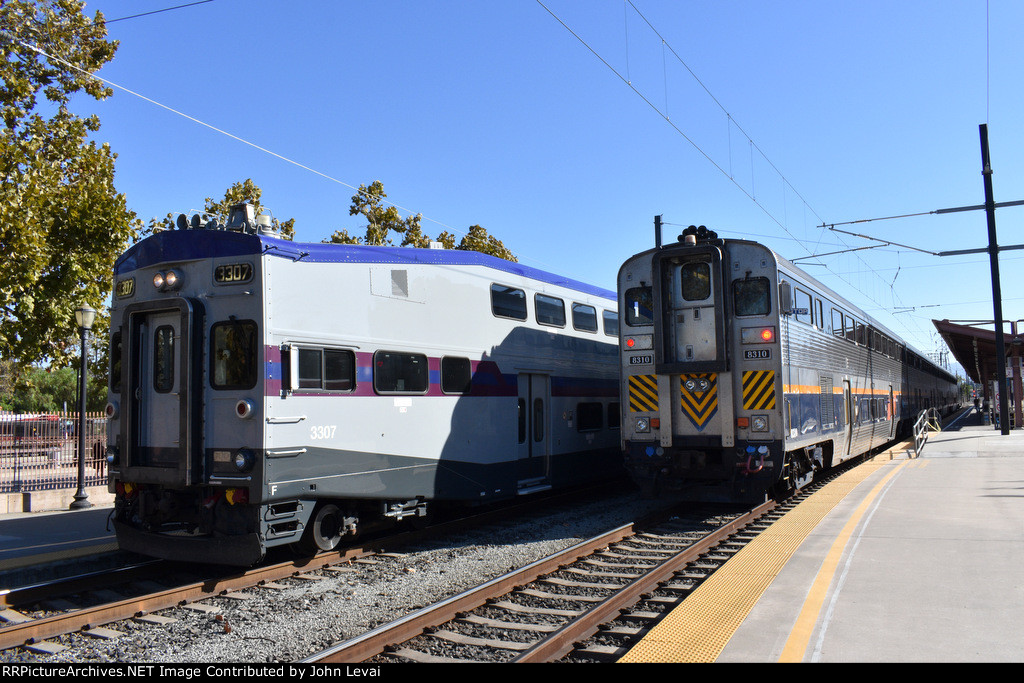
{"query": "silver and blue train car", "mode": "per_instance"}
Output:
(265, 392)
(742, 375)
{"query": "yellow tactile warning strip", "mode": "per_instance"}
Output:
(803, 629)
(702, 625)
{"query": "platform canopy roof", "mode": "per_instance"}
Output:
(974, 346)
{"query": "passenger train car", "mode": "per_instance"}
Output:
(265, 392)
(744, 375)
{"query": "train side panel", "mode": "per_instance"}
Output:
(278, 392)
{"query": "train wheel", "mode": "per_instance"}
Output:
(324, 530)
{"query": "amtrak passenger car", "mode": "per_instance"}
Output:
(265, 392)
(743, 375)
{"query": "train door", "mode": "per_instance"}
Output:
(160, 428)
(849, 413)
(890, 413)
(534, 454)
(691, 294)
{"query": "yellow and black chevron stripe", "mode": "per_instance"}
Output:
(699, 406)
(758, 389)
(643, 393)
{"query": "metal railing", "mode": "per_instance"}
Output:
(39, 452)
(927, 420)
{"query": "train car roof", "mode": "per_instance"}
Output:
(811, 280)
(190, 245)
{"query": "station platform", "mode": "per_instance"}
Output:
(902, 559)
(33, 538)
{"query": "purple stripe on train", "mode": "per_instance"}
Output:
(487, 380)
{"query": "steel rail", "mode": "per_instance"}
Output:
(38, 630)
(558, 643)
(561, 642)
(374, 642)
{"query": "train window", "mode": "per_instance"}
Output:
(837, 323)
(862, 333)
(456, 375)
(339, 370)
(819, 316)
(550, 310)
(310, 368)
(696, 281)
(330, 369)
(611, 323)
(850, 323)
(395, 372)
(802, 306)
(115, 363)
(584, 318)
(233, 355)
(163, 359)
(508, 302)
(639, 305)
(589, 417)
(750, 296)
(614, 417)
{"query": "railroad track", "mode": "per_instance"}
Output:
(37, 616)
(604, 592)
(540, 612)
(53, 615)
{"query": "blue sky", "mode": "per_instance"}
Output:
(564, 141)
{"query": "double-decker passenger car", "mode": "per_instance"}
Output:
(743, 375)
(265, 392)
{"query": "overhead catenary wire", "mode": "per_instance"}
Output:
(728, 174)
(221, 131)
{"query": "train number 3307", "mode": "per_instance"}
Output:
(322, 431)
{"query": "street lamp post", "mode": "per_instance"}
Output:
(84, 316)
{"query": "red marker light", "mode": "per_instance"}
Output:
(767, 334)
(630, 342)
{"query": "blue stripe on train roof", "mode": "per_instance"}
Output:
(188, 245)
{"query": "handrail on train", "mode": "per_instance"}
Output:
(928, 419)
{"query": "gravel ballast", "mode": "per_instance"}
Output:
(304, 617)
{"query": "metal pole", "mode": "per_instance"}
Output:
(997, 297)
(81, 500)
(657, 232)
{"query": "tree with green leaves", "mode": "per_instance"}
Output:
(245, 191)
(62, 223)
(382, 220)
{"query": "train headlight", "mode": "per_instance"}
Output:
(244, 460)
(172, 280)
(759, 423)
(169, 281)
(111, 410)
(697, 384)
(643, 425)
